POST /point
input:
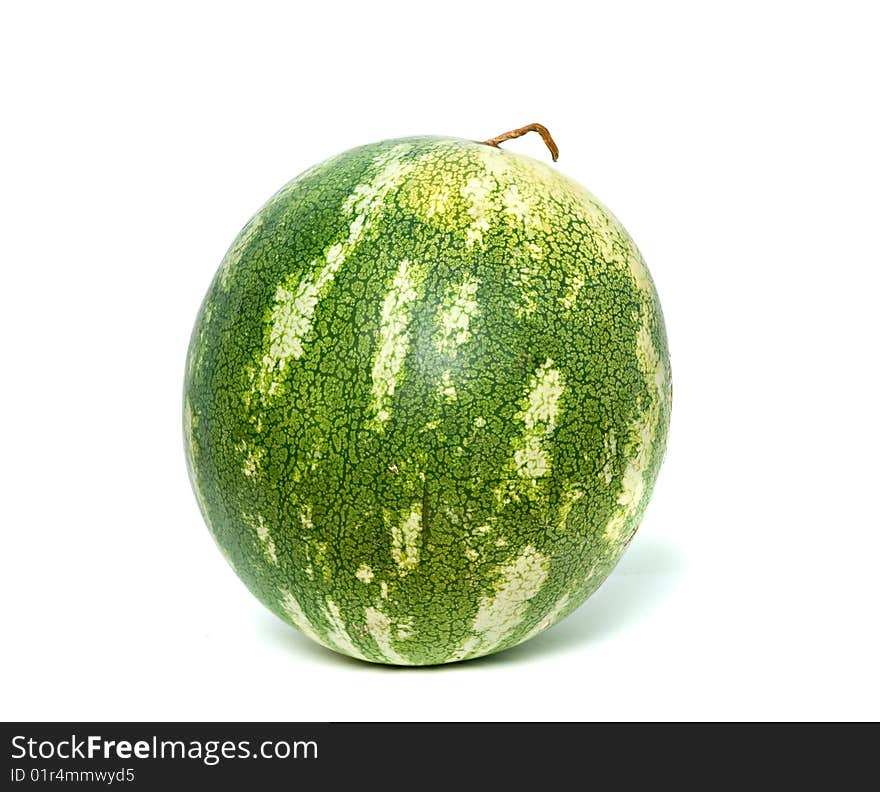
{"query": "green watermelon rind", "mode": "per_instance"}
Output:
(426, 400)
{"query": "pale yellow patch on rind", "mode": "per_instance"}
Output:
(609, 464)
(499, 614)
(253, 458)
(380, 628)
(404, 627)
(337, 632)
(481, 207)
(518, 205)
(390, 169)
(573, 288)
(290, 321)
(393, 339)
(458, 308)
(570, 497)
(405, 539)
(531, 458)
(447, 387)
(258, 523)
(543, 398)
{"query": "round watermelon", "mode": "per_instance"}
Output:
(426, 400)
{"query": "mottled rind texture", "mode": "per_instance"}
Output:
(426, 400)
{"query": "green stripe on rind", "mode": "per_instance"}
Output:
(509, 401)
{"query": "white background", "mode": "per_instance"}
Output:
(738, 146)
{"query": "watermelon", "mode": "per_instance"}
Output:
(426, 399)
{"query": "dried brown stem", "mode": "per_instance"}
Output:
(515, 133)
